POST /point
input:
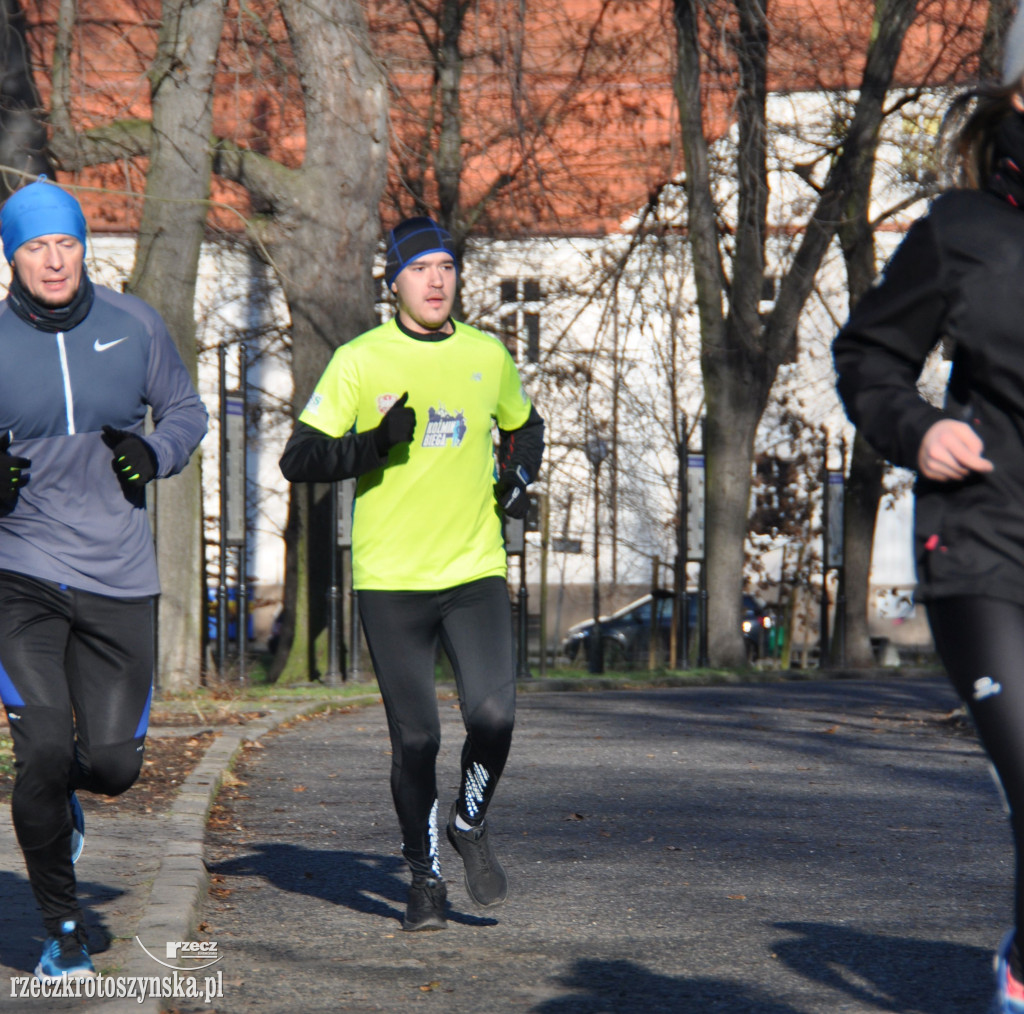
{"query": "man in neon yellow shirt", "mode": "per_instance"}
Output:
(409, 407)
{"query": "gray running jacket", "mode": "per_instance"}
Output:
(73, 523)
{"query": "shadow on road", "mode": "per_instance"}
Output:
(893, 973)
(21, 927)
(362, 881)
(898, 974)
(625, 987)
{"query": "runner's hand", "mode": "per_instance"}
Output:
(397, 426)
(951, 450)
(510, 492)
(13, 474)
(134, 461)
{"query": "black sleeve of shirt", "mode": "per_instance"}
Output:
(312, 456)
(523, 446)
(880, 352)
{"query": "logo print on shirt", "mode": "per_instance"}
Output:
(442, 427)
(103, 346)
(477, 377)
(986, 687)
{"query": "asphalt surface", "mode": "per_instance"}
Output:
(141, 881)
(788, 848)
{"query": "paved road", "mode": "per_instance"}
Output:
(141, 879)
(793, 848)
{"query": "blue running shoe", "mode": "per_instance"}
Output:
(66, 954)
(1009, 992)
(77, 828)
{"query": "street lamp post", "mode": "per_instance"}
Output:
(597, 451)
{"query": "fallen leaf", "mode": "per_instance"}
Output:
(575, 816)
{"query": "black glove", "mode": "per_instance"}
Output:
(12, 472)
(510, 492)
(396, 427)
(134, 460)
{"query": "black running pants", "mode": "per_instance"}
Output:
(473, 624)
(981, 644)
(76, 672)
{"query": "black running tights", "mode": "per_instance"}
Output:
(473, 624)
(981, 644)
(75, 676)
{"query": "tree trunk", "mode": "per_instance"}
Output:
(22, 133)
(740, 356)
(997, 24)
(860, 509)
(864, 483)
(735, 401)
(321, 239)
(164, 275)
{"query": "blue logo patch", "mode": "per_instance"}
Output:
(443, 428)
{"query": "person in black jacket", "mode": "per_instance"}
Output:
(957, 278)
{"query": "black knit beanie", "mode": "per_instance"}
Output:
(412, 239)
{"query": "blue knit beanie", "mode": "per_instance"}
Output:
(412, 239)
(40, 209)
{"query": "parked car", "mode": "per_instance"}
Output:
(626, 634)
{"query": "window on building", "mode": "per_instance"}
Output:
(520, 317)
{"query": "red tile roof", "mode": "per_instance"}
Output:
(570, 114)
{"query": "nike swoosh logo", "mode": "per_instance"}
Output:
(103, 346)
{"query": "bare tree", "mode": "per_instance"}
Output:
(319, 229)
(315, 223)
(740, 353)
(164, 275)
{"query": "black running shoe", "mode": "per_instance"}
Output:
(486, 881)
(426, 907)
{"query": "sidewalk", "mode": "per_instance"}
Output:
(141, 877)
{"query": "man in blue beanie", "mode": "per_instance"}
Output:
(82, 366)
(408, 408)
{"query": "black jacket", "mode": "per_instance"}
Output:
(958, 276)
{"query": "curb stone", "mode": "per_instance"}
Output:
(176, 895)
